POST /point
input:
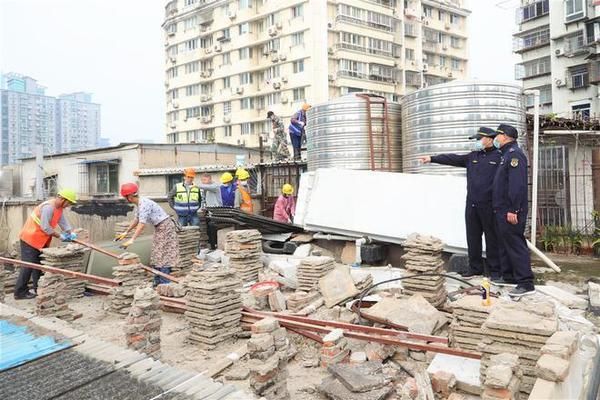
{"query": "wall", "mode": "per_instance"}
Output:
(581, 190)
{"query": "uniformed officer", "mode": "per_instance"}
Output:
(510, 207)
(481, 165)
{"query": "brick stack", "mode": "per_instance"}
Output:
(203, 231)
(129, 272)
(69, 257)
(298, 300)
(188, 239)
(214, 305)
(521, 329)
(142, 328)
(244, 249)
(51, 299)
(424, 255)
(3, 275)
(468, 315)
(335, 348)
(503, 378)
(311, 269)
(268, 350)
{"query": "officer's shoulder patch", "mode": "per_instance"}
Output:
(514, 162)
(475, 161)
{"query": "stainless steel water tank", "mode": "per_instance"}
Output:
(337, 135)
(439, 119)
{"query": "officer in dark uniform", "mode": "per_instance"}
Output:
(510, 208)
(481, 165)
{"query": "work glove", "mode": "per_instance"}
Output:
(65, 237)
(73, 236)
(126, 244)
(120, 236)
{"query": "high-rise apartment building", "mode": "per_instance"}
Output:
(228, 62)
(558, 42)
(68, 123)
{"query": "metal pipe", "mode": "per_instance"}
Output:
(358, 244)
(543, 257)
(535, 161)
(59, 271)
(327, 236)
(596, 178)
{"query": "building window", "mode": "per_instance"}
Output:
(191, 45)
(192, 112)
(244, 28)
(272, 73)
(455, 42)
(206, 111)
(174, 94)
(298, 66)
(190, 23)
(227, 107)
(409, 54)
(104, 178)
(454, 19)
(226, 82)
(245, 53)
(246, 78)
(50, 185)
(226, 59)
(271, 20)
(247, 128)
(206, 42)
(581, 111)
(540, 66)
(243, 4)
(299, 94)
(225, 35)
(427, 12)
(579, 77)
(191, 67)
(533, 10)
(298, 11)
(273, 98)
(206, 88)
(574, 10)
(172, 73)
(228, 131)
(442, 61)
(192, 90)
(190, 2)
(455, 64)
(297, 38)
(247, 103)
(545, 96)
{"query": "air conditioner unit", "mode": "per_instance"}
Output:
(276, 85)
(560, 82)
(231, 14)
(166, 44)
(185, 119)
(274, 58)
(218, 48)
(282, 57)
(330, 51)
(175, 104)
(227, 119)
(284, 79)
(239, 90)
(444, 47)
(559, 52)
(265, 51)
(425, 67)
(330, 77)
(450, 75)
(207, 119)
(205, 97)
(284, 99)
(426, 23)
(278, 25)
(272, 31)
(173, 60)
(203, 28)
(170, 33)
(204, 74)
(208, 50)
(329, 25)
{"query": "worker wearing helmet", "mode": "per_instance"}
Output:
(165, 251)
(243, 200)
(227, 190)
(285, 206)
(279, 146)
(185, 199)
(37, 234)
(297, 130)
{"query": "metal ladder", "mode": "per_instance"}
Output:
(384, 155)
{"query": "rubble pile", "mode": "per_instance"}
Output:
(362, 279)
(468, 315)
(69, 257)
(244, 249)
(521, 329)
(356, 381)
(214, 305)
(298, 300)
(335, 348)
(130, 273)
(188, 239)
(503, 378)
(424, 256)
(311, 269)
(51, 299)
(268, 350)
(142, 327)
(555, 362)
(171, 289)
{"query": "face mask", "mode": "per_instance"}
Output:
(478, 146)
(496, 143)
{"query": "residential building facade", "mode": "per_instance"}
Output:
(228, 62)
(557, 41)
(30, 117)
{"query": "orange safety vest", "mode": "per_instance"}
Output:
(32, 232)
(246, 204)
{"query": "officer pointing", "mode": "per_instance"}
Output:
(510, 209)
(481, 165)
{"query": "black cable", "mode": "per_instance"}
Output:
(368, 290)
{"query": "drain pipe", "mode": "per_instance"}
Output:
(358, 244)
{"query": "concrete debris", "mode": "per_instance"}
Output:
(552, 368)
(564, 297)
(69, 257)
(468, 315)
(298, 300)
(237, 373)
(562, 344)
(51, 300)
(261, 294)
(214, 305)
(465, 370)
(268, 350)
(362, 279)
(142, 328)
(519, 328)
(312, 269)
(424, 256)
(358, 357)
(3, 275)
(594, 295)
(130, 273)
(503, 378)
(379, 352)
(415, 312)
(337, 285)
(171, 290)
(334, 389)
(443, 382)
(303, 250)
(243, 248)
(188, 239)
(335, 348)
(277, 301)
(351, 381)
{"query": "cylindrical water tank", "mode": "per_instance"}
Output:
(440, 119)
(337, 135)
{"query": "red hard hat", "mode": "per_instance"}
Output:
(128, 188)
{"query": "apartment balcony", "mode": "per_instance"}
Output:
(363, 49)
(531, 41)
(365, 76)
(578, 77)
(368, 24)
(574, 46)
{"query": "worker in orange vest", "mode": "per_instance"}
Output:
(37, 233)
(243, 200)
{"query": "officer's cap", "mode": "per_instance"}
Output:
(484, 132)
(507, 130)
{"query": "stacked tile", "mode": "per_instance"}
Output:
(188, 239)
(214, 305)
(244, 250)
(69, 257)
(130, 273)
(51, 298)
(298, 300)
(468, 315)
(362, 279)
(335, 348)
(311, 269)
(268, 350)
(3, 275)
(424, 256)
(203, 231)
(9, 278)
(518, 328)
(503, 378)
(142, 328)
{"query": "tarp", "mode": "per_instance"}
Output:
(384, 206)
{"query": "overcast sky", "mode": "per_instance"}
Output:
(114, 49)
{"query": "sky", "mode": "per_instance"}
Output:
(114, 49)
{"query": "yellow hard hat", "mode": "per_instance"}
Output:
(242, 174)
(287, 189)
(239, 171)
(226, 177)
(69, 195)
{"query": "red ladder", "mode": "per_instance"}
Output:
(385, 152)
